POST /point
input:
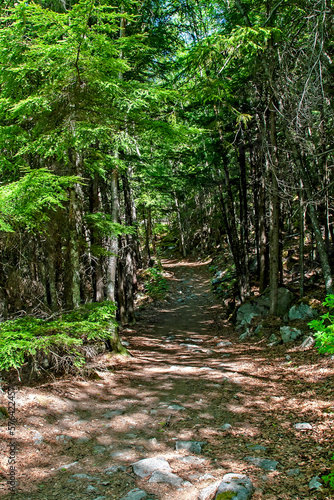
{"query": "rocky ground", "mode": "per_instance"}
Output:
(192, 404)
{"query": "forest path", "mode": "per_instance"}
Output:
(183, 383)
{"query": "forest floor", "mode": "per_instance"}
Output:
(179, 384)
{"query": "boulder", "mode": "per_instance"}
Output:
(208, 492)
(284, 300)
(238, 485)
(260, 306)
(289, 334)
(302, 312)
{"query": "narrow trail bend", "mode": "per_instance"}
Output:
(189, 375)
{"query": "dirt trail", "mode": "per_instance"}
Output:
(180, 384)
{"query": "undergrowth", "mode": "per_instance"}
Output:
(324, 328)
(156, 285)
(61, 344)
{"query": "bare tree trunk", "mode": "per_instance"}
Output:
(179, 221)
(301, 241)
(274, 217)
(112, 241)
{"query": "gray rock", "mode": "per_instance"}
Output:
(293, 472)
(238, 484)
(224, 343)
(247, 312)
(114, 469)
(38, 438)
(208, 492)
(67, 466)
(307, 343)
(302, 312)
(315, 484)
(284, 300)
(225, 427)
(122, 454)
(191, 460)
(176, 407)
(100, 498)
(91, 489)
(304, 426)
(63, 438)
(113, 413)
(167, 478)
(263, 463)
(289, 334)
(192, 446)
(147, 466)
(135, 494)
(272, 338)
(244, 335)
(83, 440)
(84, 476)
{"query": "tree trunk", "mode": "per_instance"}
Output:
(112, 241)
(179, 222)
(274, 217)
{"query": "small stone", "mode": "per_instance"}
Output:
(176, 407)
(167, 478)
(91, 489)
(293, 472)
(67, 466)
(315, 484)
(83, 440)
(287, 357)
(224, 343)
(135, 494)
(84, 476)
(304, 426)
(244, 335)
(114, 469)
(307, 343)
(147, 466)
(191, 460)
(100, 498)
(63, 438)
(225, 427)
(237, 484)
(272, 338)
(192, 446)
(38, 438)
(264, 463)
(113, 413)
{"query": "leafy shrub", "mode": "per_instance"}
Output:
(324, 328)
(329, 478)
(156, 285)
(62, 344)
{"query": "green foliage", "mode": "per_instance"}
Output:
(62, 341)
(324, 328)
(26, 203)
(156, 285)
(329, 478)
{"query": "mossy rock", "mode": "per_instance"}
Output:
(227, 495)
